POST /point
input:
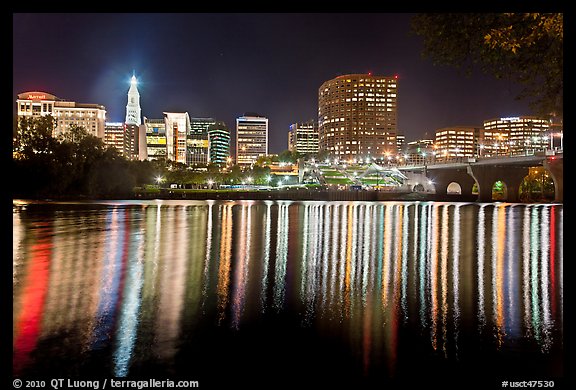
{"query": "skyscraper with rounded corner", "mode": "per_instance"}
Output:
(357, 116)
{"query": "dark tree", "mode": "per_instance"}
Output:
(523, 47)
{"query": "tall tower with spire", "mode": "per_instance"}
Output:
(133, 112)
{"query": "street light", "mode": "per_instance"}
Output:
(159, 180)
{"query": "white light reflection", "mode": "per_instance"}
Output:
(480, 265)
(281, 256)
(545, 275)
(404, 259)
(241, 272)
(130, 311)
(456, 273)
(265, 256)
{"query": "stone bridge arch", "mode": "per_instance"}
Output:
(487, 175)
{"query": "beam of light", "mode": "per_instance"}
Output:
(544, 279)
(130, 309)
(265, 257)
(480, 266)
(456, 274)
(110, 276)
(422, 269)
(444, 241)
(526, 253)
(404, 260)
(241, 273)
(325, 262)
(434, 277)
(35, 285)
(281, 256)
(334, 255)
(173, 272)
(534, 256)
(225, 259)
(208, 257)
(348, 260)
(512, 306)
(498, 234)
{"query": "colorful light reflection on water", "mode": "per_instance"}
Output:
(130, 288)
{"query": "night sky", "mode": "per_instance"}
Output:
(224, 65)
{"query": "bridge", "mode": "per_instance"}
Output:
(459, 176)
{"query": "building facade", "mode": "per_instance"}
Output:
(218, 144)
(522, 135)
(66, 113)
(357, 116)
(303, 138)
(114, 135)
(155, 138)
(177, 125)
(456, 141)
(197, 141)
(251, 139)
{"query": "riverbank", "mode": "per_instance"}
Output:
(301, 195)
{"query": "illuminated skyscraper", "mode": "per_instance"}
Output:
(357, 116)
(218, 143)
(303, 138)
(177, 125)
(251, 138)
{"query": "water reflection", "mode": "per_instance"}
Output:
(137, 282)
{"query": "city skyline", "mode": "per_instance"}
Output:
(228, 64)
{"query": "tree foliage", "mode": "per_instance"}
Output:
(523, 47)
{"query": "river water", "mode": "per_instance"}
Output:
(262, 293)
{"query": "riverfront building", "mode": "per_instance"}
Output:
(303, 138)
(67, 113)
(155, 138)
(177, 125)
(197, 141)
(251, 139)
(523, 135)
(456, 141)
(218, 143)
(357, 116)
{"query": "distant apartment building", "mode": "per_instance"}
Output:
(303, 138)
(358, 116)
(456, 141)
(251, 138)
(218, 143)
(66, 113)
(522, 135)
(177, 125)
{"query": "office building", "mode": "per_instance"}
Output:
(357, 116)
(177, 125)
(522, 135)
(197, 141)
(251, 138)
(155, 138)
(218, 143)
(456, 141)
(303, 138)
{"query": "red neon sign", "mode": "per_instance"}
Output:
(36, 97)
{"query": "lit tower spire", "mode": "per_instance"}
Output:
(133, 112)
